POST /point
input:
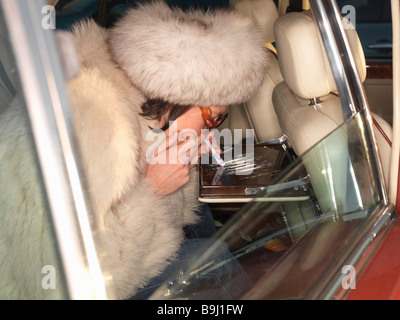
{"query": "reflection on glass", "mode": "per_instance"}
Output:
(280, 249)
(29, 262)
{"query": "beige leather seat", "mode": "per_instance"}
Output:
(258, 113)
(305, 103)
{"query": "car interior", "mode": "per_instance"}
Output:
(298, 106)
(298, 99)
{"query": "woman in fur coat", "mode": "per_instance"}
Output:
(162, 69)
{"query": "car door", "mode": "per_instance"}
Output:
(309, 244)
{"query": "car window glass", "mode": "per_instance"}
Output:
(68, 12)
(29, 262)
(286, 240)
(372, 20)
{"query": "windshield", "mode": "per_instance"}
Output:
(285, 244)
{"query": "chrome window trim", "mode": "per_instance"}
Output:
(46, 99)
(394, 166)
(349, 86)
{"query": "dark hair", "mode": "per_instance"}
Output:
(155, 109)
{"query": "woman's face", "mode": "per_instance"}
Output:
(193, 119)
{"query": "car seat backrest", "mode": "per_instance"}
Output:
(302, 57)
(258, 112)
(308, 107)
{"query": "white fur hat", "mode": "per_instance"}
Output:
(190, 58)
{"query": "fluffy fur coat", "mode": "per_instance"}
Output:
(141, 232)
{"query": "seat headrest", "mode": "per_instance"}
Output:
(302, 57)
(264, 13)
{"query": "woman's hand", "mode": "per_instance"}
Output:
(169, 166)
(205, 148)
(167, 178)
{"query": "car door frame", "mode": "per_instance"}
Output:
(354, 100)
(44, 89)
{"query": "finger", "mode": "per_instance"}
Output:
(205, 136)
(214, 142)
(189, 134)
(164, 143)
(188, 151)
(210, 137)
(208, 147)
(188, 146)
(171, 140)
